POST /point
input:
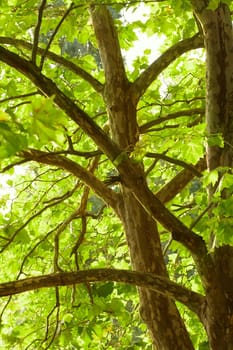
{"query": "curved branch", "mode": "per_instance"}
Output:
(49, 88)
(160, 284)
(179, 162)
(133, 178)
(173, 187)
(71, 7)
(58, 59)
(108, 195)
(183, 113)
(147, 77)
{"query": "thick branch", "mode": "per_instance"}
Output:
(173, 187)
(49, 88)
(121, 104)
(134, 179)
(109, 196)
(142, 83)
(58, 59)
(160, 284)
(109, 45)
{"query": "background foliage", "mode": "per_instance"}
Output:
(51, 220)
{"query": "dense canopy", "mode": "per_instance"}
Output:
(116, 124)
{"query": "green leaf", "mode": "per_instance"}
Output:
(211, 177)
(105, 290)
(213, 4)
(215, 140)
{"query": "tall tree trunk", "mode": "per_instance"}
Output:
(218, 38)
(159, 313)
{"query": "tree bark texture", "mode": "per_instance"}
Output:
(159, 313)
(218, 40)
(136, 205)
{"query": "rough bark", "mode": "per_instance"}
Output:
(217, 315)
(159, 313)
(218, 40)
(160, 284)
(137, 206)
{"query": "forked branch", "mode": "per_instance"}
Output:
(109, 196)
(97, 86)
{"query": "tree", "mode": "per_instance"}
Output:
(106, 161)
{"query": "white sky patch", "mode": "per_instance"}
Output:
(145, 42)
(7, 193)
(7, 190)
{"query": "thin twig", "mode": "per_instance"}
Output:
(174, 161)
(200, 216)
(19, 96)
(57, 308)
(169, 104)
(27, 222)
(54, 34)
(58, 59)
(37, 31)
(183, 113)
(10, 166)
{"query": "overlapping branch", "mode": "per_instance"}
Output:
(173, 187)
(147, 77)
(37, 31)
(183, 113)
(173, 161)
(162, 285)
(109, 196)
(49, 88)
(127, 169)
(56, 58)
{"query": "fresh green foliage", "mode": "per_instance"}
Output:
(51, 220)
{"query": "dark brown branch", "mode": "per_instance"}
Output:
(19, 96)
(37, 31)
(109, 196)
(88, 154)
(58, 59)
(142, 83)
(12, 165)
(173, 187)
(174, 161)
(183, 113)
(168, 104)
(49, 88)
(43, 56)
(160, 284)
(109, 45)
(133, 178)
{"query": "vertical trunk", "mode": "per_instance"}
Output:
(218, 315)
(218, 37)
(159, 313)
